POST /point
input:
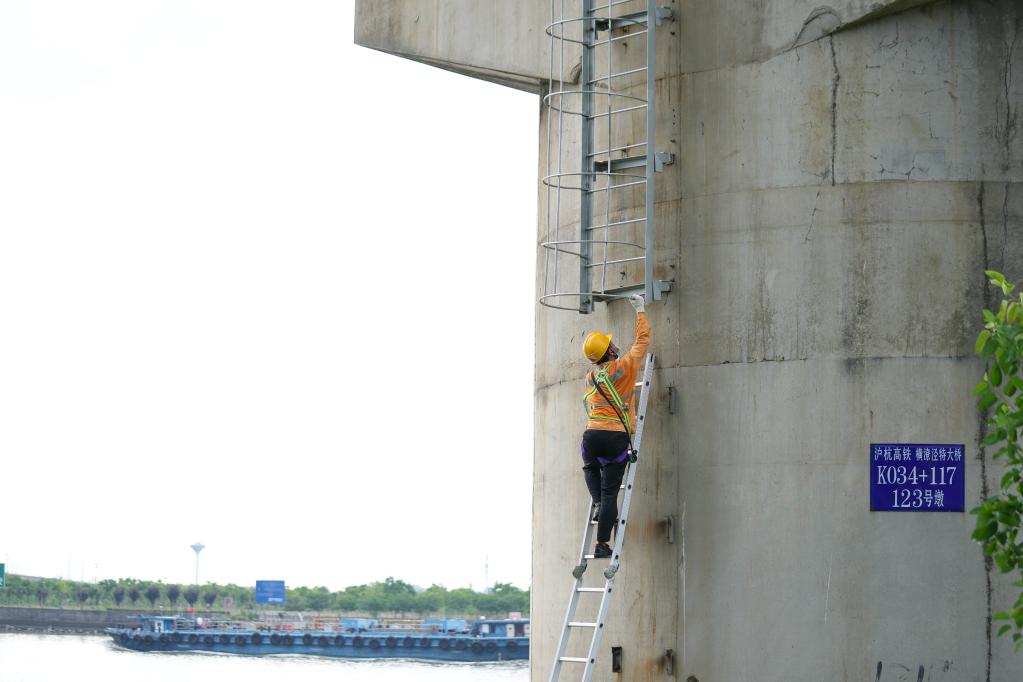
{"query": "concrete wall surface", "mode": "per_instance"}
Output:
(43, 618)
(503, 42)
(844, 174)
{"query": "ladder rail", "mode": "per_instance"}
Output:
(586, 65)
(591, 160)
(591, 658)
(651, 167)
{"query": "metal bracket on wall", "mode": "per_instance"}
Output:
(661, 286)
(626, 20)
(669, 523)
(669, 662)
(661, 159)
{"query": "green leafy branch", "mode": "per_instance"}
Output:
(1000, 395)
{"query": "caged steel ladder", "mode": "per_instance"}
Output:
(601, 156)
(595, 628)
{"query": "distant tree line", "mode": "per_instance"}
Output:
(391, 596)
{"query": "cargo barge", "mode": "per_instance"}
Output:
(484, 640)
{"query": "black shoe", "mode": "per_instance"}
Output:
(602, 551)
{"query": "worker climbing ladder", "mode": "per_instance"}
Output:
(596, 627)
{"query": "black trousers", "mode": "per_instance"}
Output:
(605, 454)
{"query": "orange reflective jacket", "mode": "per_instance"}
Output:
(621, 375)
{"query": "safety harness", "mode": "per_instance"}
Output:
(597, 377)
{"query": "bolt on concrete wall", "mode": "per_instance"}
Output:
(844, 174)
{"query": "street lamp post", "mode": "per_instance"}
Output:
(197, 547)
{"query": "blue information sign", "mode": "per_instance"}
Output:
(269, 591)
(917, 477)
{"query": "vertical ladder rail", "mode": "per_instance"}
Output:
(586, 171)
(653, 20)
(589, 662)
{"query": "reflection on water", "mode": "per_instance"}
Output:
(44, 658)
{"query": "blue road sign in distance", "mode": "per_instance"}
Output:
(917, 477)
(269, 591)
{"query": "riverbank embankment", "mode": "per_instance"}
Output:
(59, 621)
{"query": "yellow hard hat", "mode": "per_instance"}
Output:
(596, 345)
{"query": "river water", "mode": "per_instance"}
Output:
(51, 658)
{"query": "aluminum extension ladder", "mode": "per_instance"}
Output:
(597, 627)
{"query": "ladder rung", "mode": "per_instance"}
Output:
(589, 589)
(615, 75)
(619, 186)
(575, 624)
(616, 224)
(614, 39)
(603, 152)
(573, 659)
(605, 263)
(613, 112)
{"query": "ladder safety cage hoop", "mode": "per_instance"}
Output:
(592, 205)
(553, 181)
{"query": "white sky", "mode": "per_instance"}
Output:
(262, 289)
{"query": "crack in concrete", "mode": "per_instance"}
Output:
(1011, 118)
(1005, 223)
(982, 431)
(894, 42)
(824, 22)
(821, 22)
(983, 233)
(907, 175)
(834, 106)
(682, 575)
(812, 215)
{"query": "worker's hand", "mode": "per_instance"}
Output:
(638, 303)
